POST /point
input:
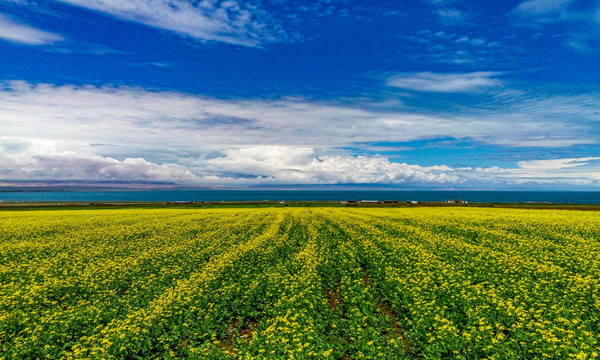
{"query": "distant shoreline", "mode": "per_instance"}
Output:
(79, 205)
(304, 195)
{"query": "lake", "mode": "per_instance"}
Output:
(560, 197)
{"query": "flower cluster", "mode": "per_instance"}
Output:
(299, 283)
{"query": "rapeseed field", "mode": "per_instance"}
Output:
(300, 283)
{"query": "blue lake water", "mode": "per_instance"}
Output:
(560, 197)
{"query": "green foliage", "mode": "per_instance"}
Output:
(294, 283)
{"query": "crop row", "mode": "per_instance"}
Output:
(294, 283)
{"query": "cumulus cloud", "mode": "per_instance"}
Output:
(43, 160)
(59, 160)
(24, 34)
(228, 21)
(301, 165)
(55, 160)
(446, 83)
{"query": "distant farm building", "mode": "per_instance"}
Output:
(370, 201)
(450, 201)
(390, 201)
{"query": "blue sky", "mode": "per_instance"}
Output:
(423, 94)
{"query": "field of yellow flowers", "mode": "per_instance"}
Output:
(300, 283)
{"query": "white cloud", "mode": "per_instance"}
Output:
(568, 171)
(580, 18)
(35, 159)
(446, 83)
(556, 164)
(450, 16)
(454, 48)
(229, 21)
(543, 7)
(88, 132)
(24, 34)
(478, 41)
(301, 165)
(134, 118)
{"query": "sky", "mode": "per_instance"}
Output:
(415, 94)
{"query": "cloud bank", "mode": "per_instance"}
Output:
(122, 133)
(572, 171)
(134, 117)
(301, 165)
(55, 160)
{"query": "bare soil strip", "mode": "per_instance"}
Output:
(393, 319)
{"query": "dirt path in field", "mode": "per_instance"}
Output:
(395, 326)
(333, 299)
(237, 331)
